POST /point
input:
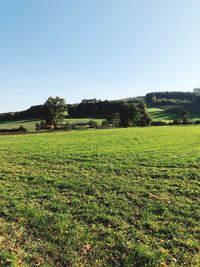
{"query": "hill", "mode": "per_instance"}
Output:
(122, 197)
(168, 115)
(163, 106)
(174, 101)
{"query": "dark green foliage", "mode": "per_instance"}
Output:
(21, 129)
(176, 122)
(132, 115)
(118, 113)
(105, 124)
(31, 113)
(184, 116)
(174, 101)
(55, 111)
(113, 119)
(159, 123)
(169, 97)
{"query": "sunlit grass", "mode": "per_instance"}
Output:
(159, 114)
(123, 197)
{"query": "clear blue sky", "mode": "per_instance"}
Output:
(105, 49)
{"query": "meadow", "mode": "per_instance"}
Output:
(120, 197)
(159, 114)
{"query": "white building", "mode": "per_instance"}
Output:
(196, 90)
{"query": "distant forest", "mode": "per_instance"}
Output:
(173, 101)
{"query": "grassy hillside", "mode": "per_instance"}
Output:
(123, 197)
(159, 114)
(28, 124)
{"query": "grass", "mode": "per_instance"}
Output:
(121, 197)
(158, 114)
(29, 124)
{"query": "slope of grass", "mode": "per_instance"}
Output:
(29, 124)
(123, 197)
(159, 114)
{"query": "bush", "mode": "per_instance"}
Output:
(159, 123)
(40, 126)
(176, 122)
(105, 124)
(93, 124)
(21, 129)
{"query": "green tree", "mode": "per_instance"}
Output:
(114, 119)
(55, 111)
(184, 116)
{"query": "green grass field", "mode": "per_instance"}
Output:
(122, 197)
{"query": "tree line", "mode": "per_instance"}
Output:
(116, 113)
(129, 114)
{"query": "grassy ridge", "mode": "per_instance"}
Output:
(123, 197)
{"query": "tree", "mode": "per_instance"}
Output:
(114, 119)
(55, 111)
(184, 116)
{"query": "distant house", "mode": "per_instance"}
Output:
(196, 90)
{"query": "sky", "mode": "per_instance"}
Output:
(104, 49)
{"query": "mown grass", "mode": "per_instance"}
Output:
(122, 197)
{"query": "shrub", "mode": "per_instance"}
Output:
(176, 122)
(93, 124)
(158, 123)
(21, 129)
(40, 126)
